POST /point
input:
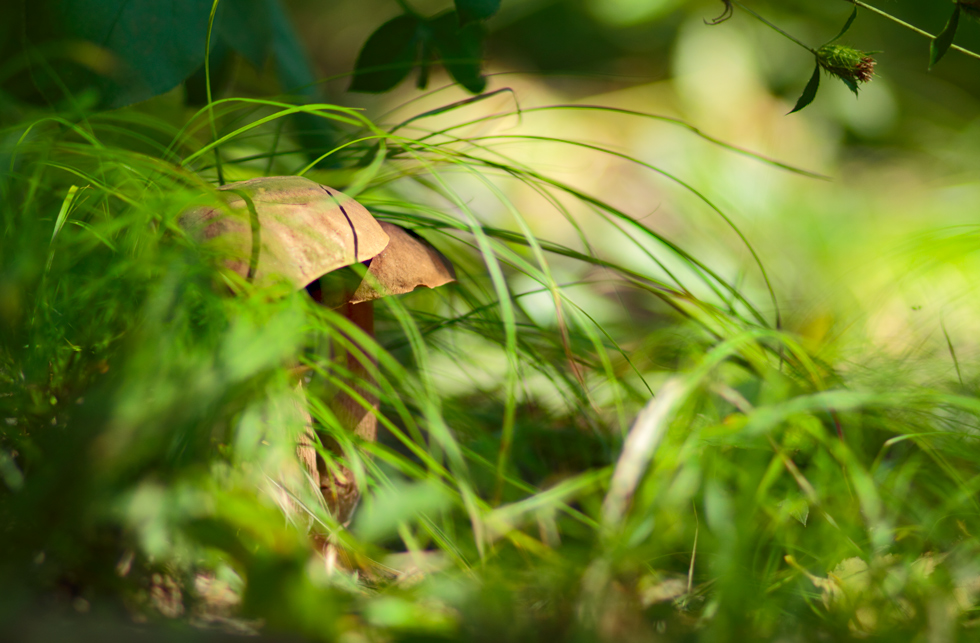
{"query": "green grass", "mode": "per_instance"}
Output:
(576, 445)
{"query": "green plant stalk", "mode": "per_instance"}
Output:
(775, 28)
(207, 85)
(901, 22)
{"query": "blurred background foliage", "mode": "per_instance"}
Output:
(802, 459)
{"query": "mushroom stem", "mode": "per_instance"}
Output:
(358, 419)
(337, 483)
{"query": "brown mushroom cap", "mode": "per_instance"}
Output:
(406, 263)
(305, 229)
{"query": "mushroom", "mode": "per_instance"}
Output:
(299, 230)
(294, 228)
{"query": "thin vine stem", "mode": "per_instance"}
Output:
(207, 86)
(898, 21)
(772, 26)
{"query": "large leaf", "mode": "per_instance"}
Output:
(388, 55)
(474, 10)
(153, 45)
(156, 44)
(810, 91)
(461, 49)
(941, 43)
(292, 64)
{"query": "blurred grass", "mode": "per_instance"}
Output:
(599, 433)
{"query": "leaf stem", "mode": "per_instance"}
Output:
(774, 27)
(898, 21)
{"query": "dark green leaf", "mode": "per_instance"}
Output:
(292, 64)
(851, 84)
(810, 92)
(474, 10)
(387, 56)
(153, 45)
(941, 43)
(461, 50)
(156, 43)
(847, 25)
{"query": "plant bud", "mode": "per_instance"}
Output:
(847, 63)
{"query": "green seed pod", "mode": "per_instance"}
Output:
(846, 63)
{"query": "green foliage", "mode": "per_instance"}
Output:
(682, 467)
(408, 40)
(139, 49)
(388, 55)
(810, 91)
(941, 43)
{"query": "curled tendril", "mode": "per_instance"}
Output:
(725, 15)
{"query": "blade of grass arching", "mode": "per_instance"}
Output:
(366, 175)
(521, 485)
(333, 322)
(94, 183)
(129, 133)
(379, 159)
(537, 182)
(673, 304)
(558, 497)
(628, 112)
(95, 233)
(57, 120)
(275, 147)
(427, 399)
(344, 115)
(438, 110)
(430, 404)
(685, 185)
(484, 329)
(699, 268)
(554, 248)
(445, 108)
(619, 349)
(524, 174)
(257, 123)
(448, 107)
(446, 544)
(341, 382)
(664, 293)
(549, 282)
(612, 342)
(649, 284)
(503, 295)
(134, 120)
(207, 88)
(691, 128)
(478, 308)
(545, 278)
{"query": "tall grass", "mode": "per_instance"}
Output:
(546, 469)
